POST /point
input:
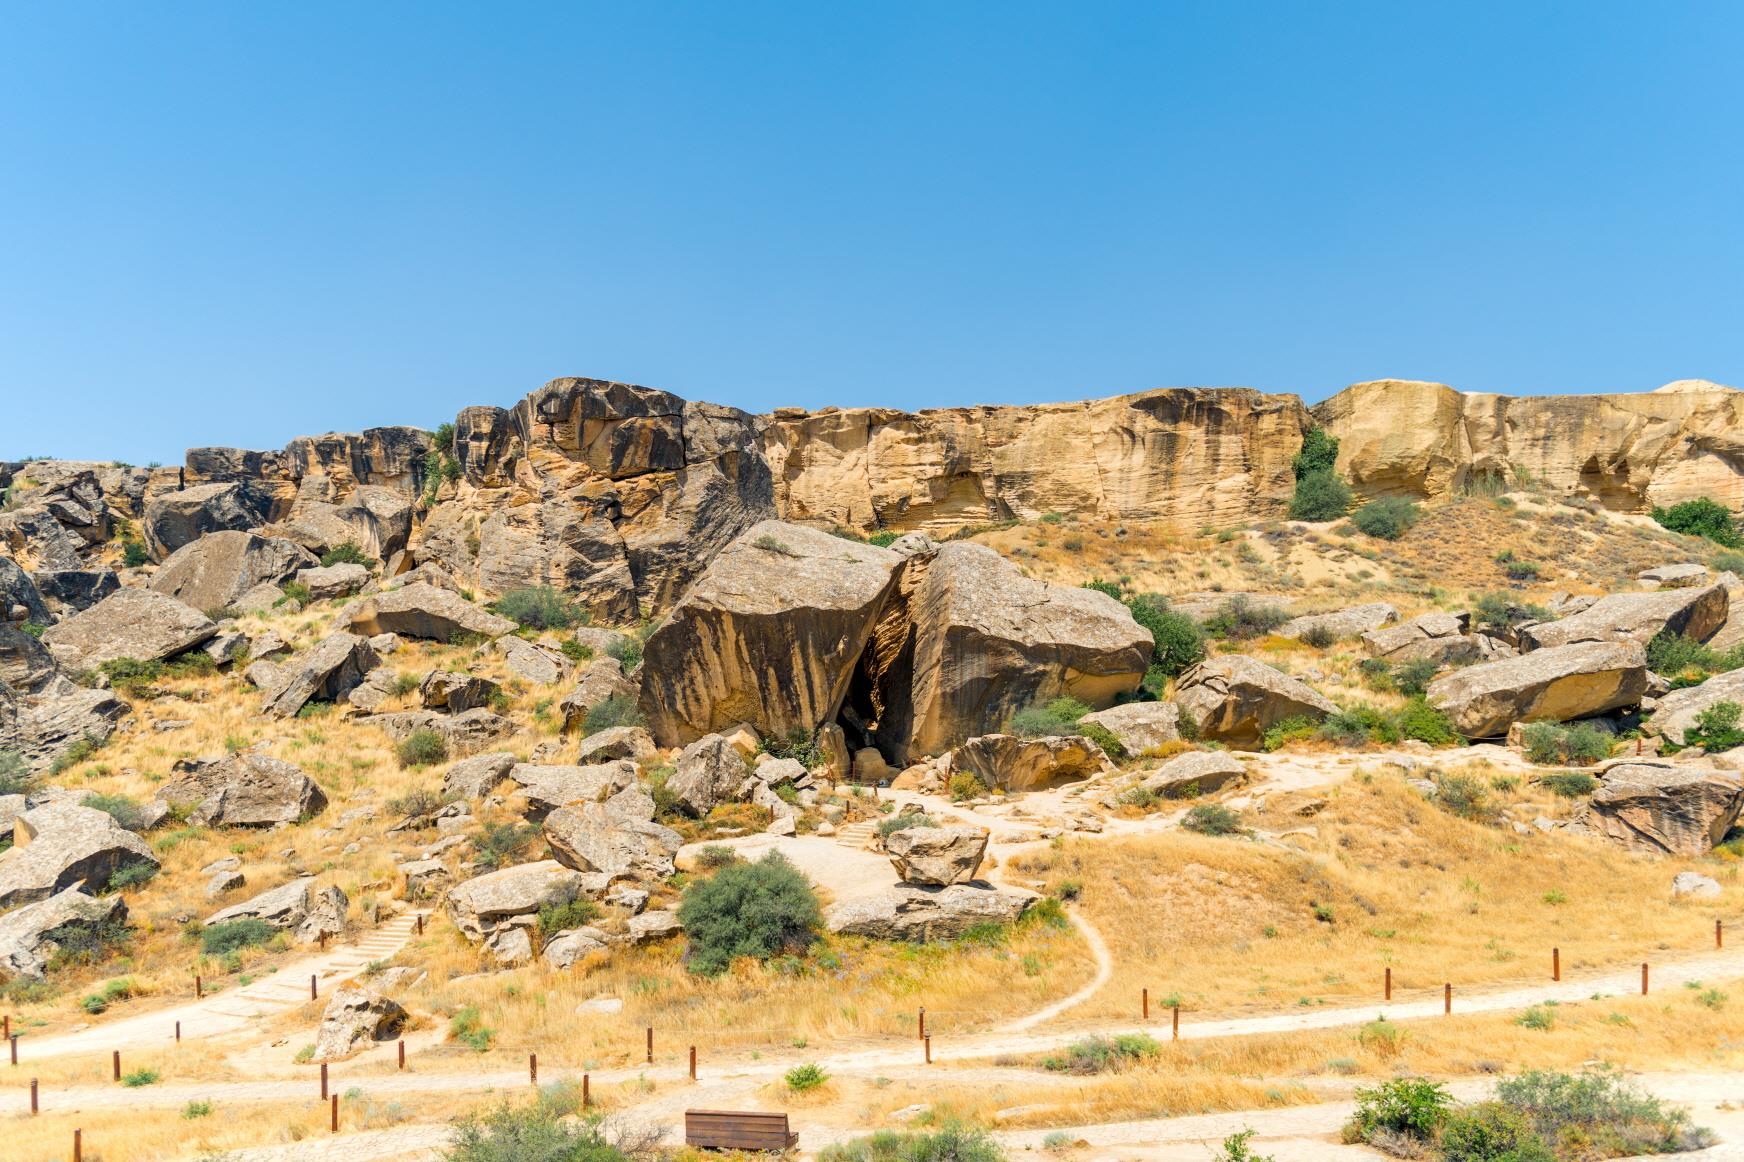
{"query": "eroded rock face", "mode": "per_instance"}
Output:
(707, 773)
(213, 572)
(133, 623)
(550, 787)
(536, 663)
(330, 582)
(568, 948)
(1664, 808)
(328, 672)
(45, 721)
(1201, 772)
(59, 846)
(1694, 613)
(1438, 637)
(25, 945)
(69, 591)
(20, 600)
(1342, 623)
(591, 838)
(354, 1017)
(1675, 712)
(780, 600)
(603, 680)
(1236, 699)
(243, 790)
(1547, 685)
(296, 907)
(1139, 726)
(423, 611)
(936, 855)
(452, 692)
(174, 519)
(921, 914)
(1011, 763)
(967, 641)
(478, 776)
(501, 908)
(616, 742)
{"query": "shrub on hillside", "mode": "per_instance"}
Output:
(1386, 518)
(14, 774)
(1716, 728)
(421, 748)
(951, 1142)
(1319, 453)
(536, 607)
(1412, 678)
(1179, 640)
(1577, 744)
(234, 935)
(344, 553)
(1464, 796)
(614, 711)
(1058, 716)
(748, 909)
(1702, 517)
(1412, 1108)
(1241, 618)
(1212, 819)
(1102, 1054)
(1320, 496)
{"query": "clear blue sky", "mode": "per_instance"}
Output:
(232, 223)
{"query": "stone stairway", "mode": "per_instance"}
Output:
(856, 834)
(279, 991)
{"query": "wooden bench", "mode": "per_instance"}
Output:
(737, 1130)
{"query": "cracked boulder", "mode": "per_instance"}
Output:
(921, 914)
(936, 855)
(707, 773)
(1636, 617)
(467, 733)
(1547, 685)
(296, 907)
(1235, 699)
(453, 692)
(175, 519)
(424, 611)
(243, 790)
(59, 846)
(327, 673)
(132, 623)
(590, 837)
(27, 934)
(1012, 763)
(214, 572)
(1139, 726)
(1663, 808)
(500, 909)
(1341, 623)
(355, 1018)
(602, 681)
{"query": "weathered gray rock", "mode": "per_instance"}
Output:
(1207, 770)
(1674, 714)
(936, 855)
(326, 673)
(214, 571)
(69, 591)
(649, 926)
(1548, 685)
(1636, 617)
(1438, 637)
(567, 949)
(1695, 886)
(264, 675)
(25, 663)
(25, 944)
(453, 692)
(265, 598)
(1674, 576)
(602, 681)
(535, 663)
(1139, 726)
(223, 883)
(425, 878)
(1342, 623)
(243, 790)
(331, 582)
(512, 897)
(133, 623)
(591, 838)
(550, 787)
(375, 691)
(966, 641)
(467, 733)
(616, 742)
(478, 776)
(708, 772)
(59, 846)
(45, 722)
(1012, 763)
(1663, 808)
(781, 599)
(354, 1018)
(377, 520)
(226, 646)
(1235, 699)
(920, 914)
(632, 803)
(18, 592)
(295, 907)
(174, 519)
(424, 611)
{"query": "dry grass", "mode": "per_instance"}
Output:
(1389, 879)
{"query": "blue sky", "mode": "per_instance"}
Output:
(234, 223)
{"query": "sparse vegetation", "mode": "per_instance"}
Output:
(421, 748)
(614, 711)
(1702, 517)
(1387, 518)
(1716, 728)
(1241, 618)
(537, 607)
(952, 1142)
(345, 553)
(1212, 819)
(805, 1078)
(1102, 1054)
(235, 935)
(756, 909)
(1576, 744)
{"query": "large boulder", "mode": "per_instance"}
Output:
(616, 742)
(59, 846)
(1201, 772)
(44, 722)
(453, 692)
(214, 571)
(1138, 726)
(133, 623)
(20, 600)
(1438, 637)
(174, 519)
(592, 838)
(72, 590)
(1675, 712)
(243, 790)
(377, 520)
(1013, 763)
(550, 787)
(1342, 623)
(501, 908)
(478, 776)
(467, 733)
(1235, 699)
(573, 945)
(936, 855)
(296, 907)
(602, 681)
(1547, 685)
(1664, 808)
(424, 611)
(26, 943)
(533, 662)
(25, 663)
(920, 914)
(780, 600)
(1636, 617)
(331, 670)
(707, 773)
(356, 1017)
(967, 641)
(331, 582)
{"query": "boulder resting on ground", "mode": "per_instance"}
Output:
(1662, 807)
(1636, 617)
(939, 856)
(243, 790)
(216, 570)
(132, 623)
(26, 933)
(329, 672)
(1547, 685)
(922, 914)
(424, 611)
(1012, 763)
(1235, 699)
(355, 1017)
(59, 846)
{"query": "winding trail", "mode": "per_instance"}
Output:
(1104, 971)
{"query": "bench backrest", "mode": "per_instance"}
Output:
(736, 1130)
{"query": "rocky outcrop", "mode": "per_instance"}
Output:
(174, 519)
(1694, 613)
(478, 776)
(355, 1017)
(377, 520)
(616, 742)
(967, 641)
(1341, 623)
(1436, 637)
(44, 718)
(212, 572)
(533, 662)
(27, 934)
(1664, 808)
(1234, 699)
(331, 582)
(59, 846)
(296, 907)
(1675, 712)
(68, 591)
(602, 681)
(592, 838)
(133, 623)
(707, 773)
(1195, 773)
(20, 600)
(938, 856)
(1011, 763)
(1548, 685)
(468, 733)
(327, 673)
(1138, 726)
(550, 787)
(568, 948)
(452, 692)
(424, 611)
(920, 914)
(500, 909)
(243, 790)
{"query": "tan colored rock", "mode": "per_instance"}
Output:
(707, 773)
(478, 776)
(175, 519)
(327, 673)
(214, 571)
(616, 742)
(1694, 613)
(590, 838)
(512, 897)
(922, 914)
(467, 733)
(331, 582)
(59, 845)
(1011, 763)
(601, 681)
(536, 663)
(1203, 772)
(1342, 623)
(133, 623)
(452, 692)
(936, 855)
(1675, 712)
(1438, 637)
(1664, 808)
(26, 947)
(1548, 685)
(424, 611)
(353, 1018)
(243, 790)
(1139, 726)
(1235, 699)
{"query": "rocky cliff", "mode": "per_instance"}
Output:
(622, 494)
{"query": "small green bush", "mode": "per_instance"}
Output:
(140, 1077)
(468, 1027)
(951, 1142)
(1319, 453)
(545, 1131)
(1235, 1149)
(421, 748)
(1240, 618)
(1703, 517)
(1386, 518)
(965, 785)
(804, 1078)
(1569, 784)
(1102, 1054)
(1180, 642)
(1059, 716)
(1412, 1106)
(1598, 1115)
(907, 821)
(14, 774)
(1425, 723)
(198, 1108)
(748, 909)
(1288, 730)
(1320, 496)
(497, 845)
(1412, 677)
(800, 745)
(1491, 1131)
(555, 918)
(536, 607)
(1212, 819)
(130, 876)
(716, 856)
(1716, 728)
(121, 808)
(614, 711)
(235, 935)
(1546, 743)
(344, 553)
(133, 554)
(1464, 796)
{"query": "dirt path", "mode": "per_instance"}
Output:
(1104, 970)
(230, 1011)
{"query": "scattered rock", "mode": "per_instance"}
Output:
(132, 623)
(424, 611)
(920, 914)
(616, 742)
(591, 838)
(1636, 617)
(330, 582)
(216, 570)
(1438, 637)
(1343, 623)
(566, 949)
(656, 925)
(1663, 808)
(1138, 726)
(1694, 885)
(243, 790)
(1674, 576)
(1675, 712)
(1208, 770)
(1553, 684)
(354, 1017)
(534, 663)
(601, 681)
(25, 946)
(59, 846)
(174, 519)
(491, 907)
(1236, 699)
(453, 692)
(468, 733)
(295, 907)
(425, 878)
(550, 787)
(478, 776)
(327, 673)
(707, 773)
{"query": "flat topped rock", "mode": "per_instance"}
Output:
(1547, 685)
(1235, 699)
(59, 846)
(132, 623)
(423, 611)
(1693, 612)
(216, 570)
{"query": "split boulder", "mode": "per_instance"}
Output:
(1547, 685)
(1235, 699)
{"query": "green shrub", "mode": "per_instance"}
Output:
(133, 555)
(1728, 563)
(803, 1078)
(131, 676)
(84, 944)
(1110, 588)
(1180, 642)
(718, 855)
(1212, 819)
(1598, 1115)
(130, 876)
(235, 935)
(1570, 784)
(119, 989)
(1319, 453)
(1102, 1054)
(1539, 1017)
(1386, 518)
(1516, 568)
(748, 909)
(1412, 678)
(1356, 725)
(965, 785)
(1716, 728)
(1491, 1132)
(15, 776)
(1546, 743)
(468, 1027)
(544, 1131)
(121, 808)
(1702, 517)
(536, 607)
(1425, 723)
(1104, 738)
(798, 744)
(1412, 1106)
(614, 711)
(1320, 496)
(1240, 618)
(576, 651)
(140, 1077)
(344, 553)
(1464, 796)
(199, 1108)
(497, 845)
(951, 1142)
(628, 651)
(1235, 1149)
(421, 748)
(1059, 716)
(1318, 635)
(555, 918)
(295, 591)
(907, 821)
(1288, 730)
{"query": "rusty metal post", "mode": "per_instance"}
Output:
(8, 1017)
(693, 1062)
(923, 1022)
(1144, 1003)
(115, 1060)
(420, 923)
(323, 1081)
(323, 940)
(1644, 978)
(1175, 1023)
(1556, 964)
(1387, 987)
(650, 1044)
(33, 1105)
(313, 993)
(586, 1097)
(199, 987)
(334, 1106)
(402, 1054)
(1447, 998)
(78, 1146)
(1719, 937)
(533, 1068)
(927, 1042)
(13, 1041)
